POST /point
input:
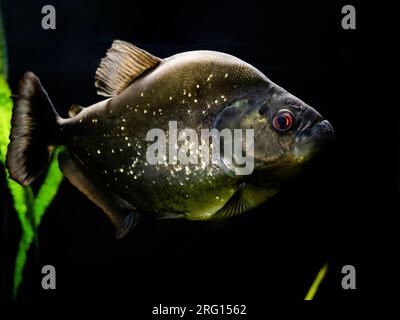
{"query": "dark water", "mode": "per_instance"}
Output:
(340, 211)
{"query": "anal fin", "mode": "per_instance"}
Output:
(122, 214)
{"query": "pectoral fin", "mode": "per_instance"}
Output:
(237, 204)
(170, 216)
(122, 214)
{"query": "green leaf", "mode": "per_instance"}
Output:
(317, 281)
(49, 188)
(5, 117)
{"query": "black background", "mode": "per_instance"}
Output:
(340, 211)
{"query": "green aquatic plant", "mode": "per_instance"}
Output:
(317, 281)
(29, 207)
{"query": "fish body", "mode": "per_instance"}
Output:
(107, 144)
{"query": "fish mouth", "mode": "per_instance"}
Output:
(322, 130)
(313, 137)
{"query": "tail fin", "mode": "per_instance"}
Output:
(33, 131)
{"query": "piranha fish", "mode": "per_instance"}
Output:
(105, 143)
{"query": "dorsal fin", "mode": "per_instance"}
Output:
(123, 63)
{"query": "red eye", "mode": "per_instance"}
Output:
(283, 120)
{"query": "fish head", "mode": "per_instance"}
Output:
(287, 132)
